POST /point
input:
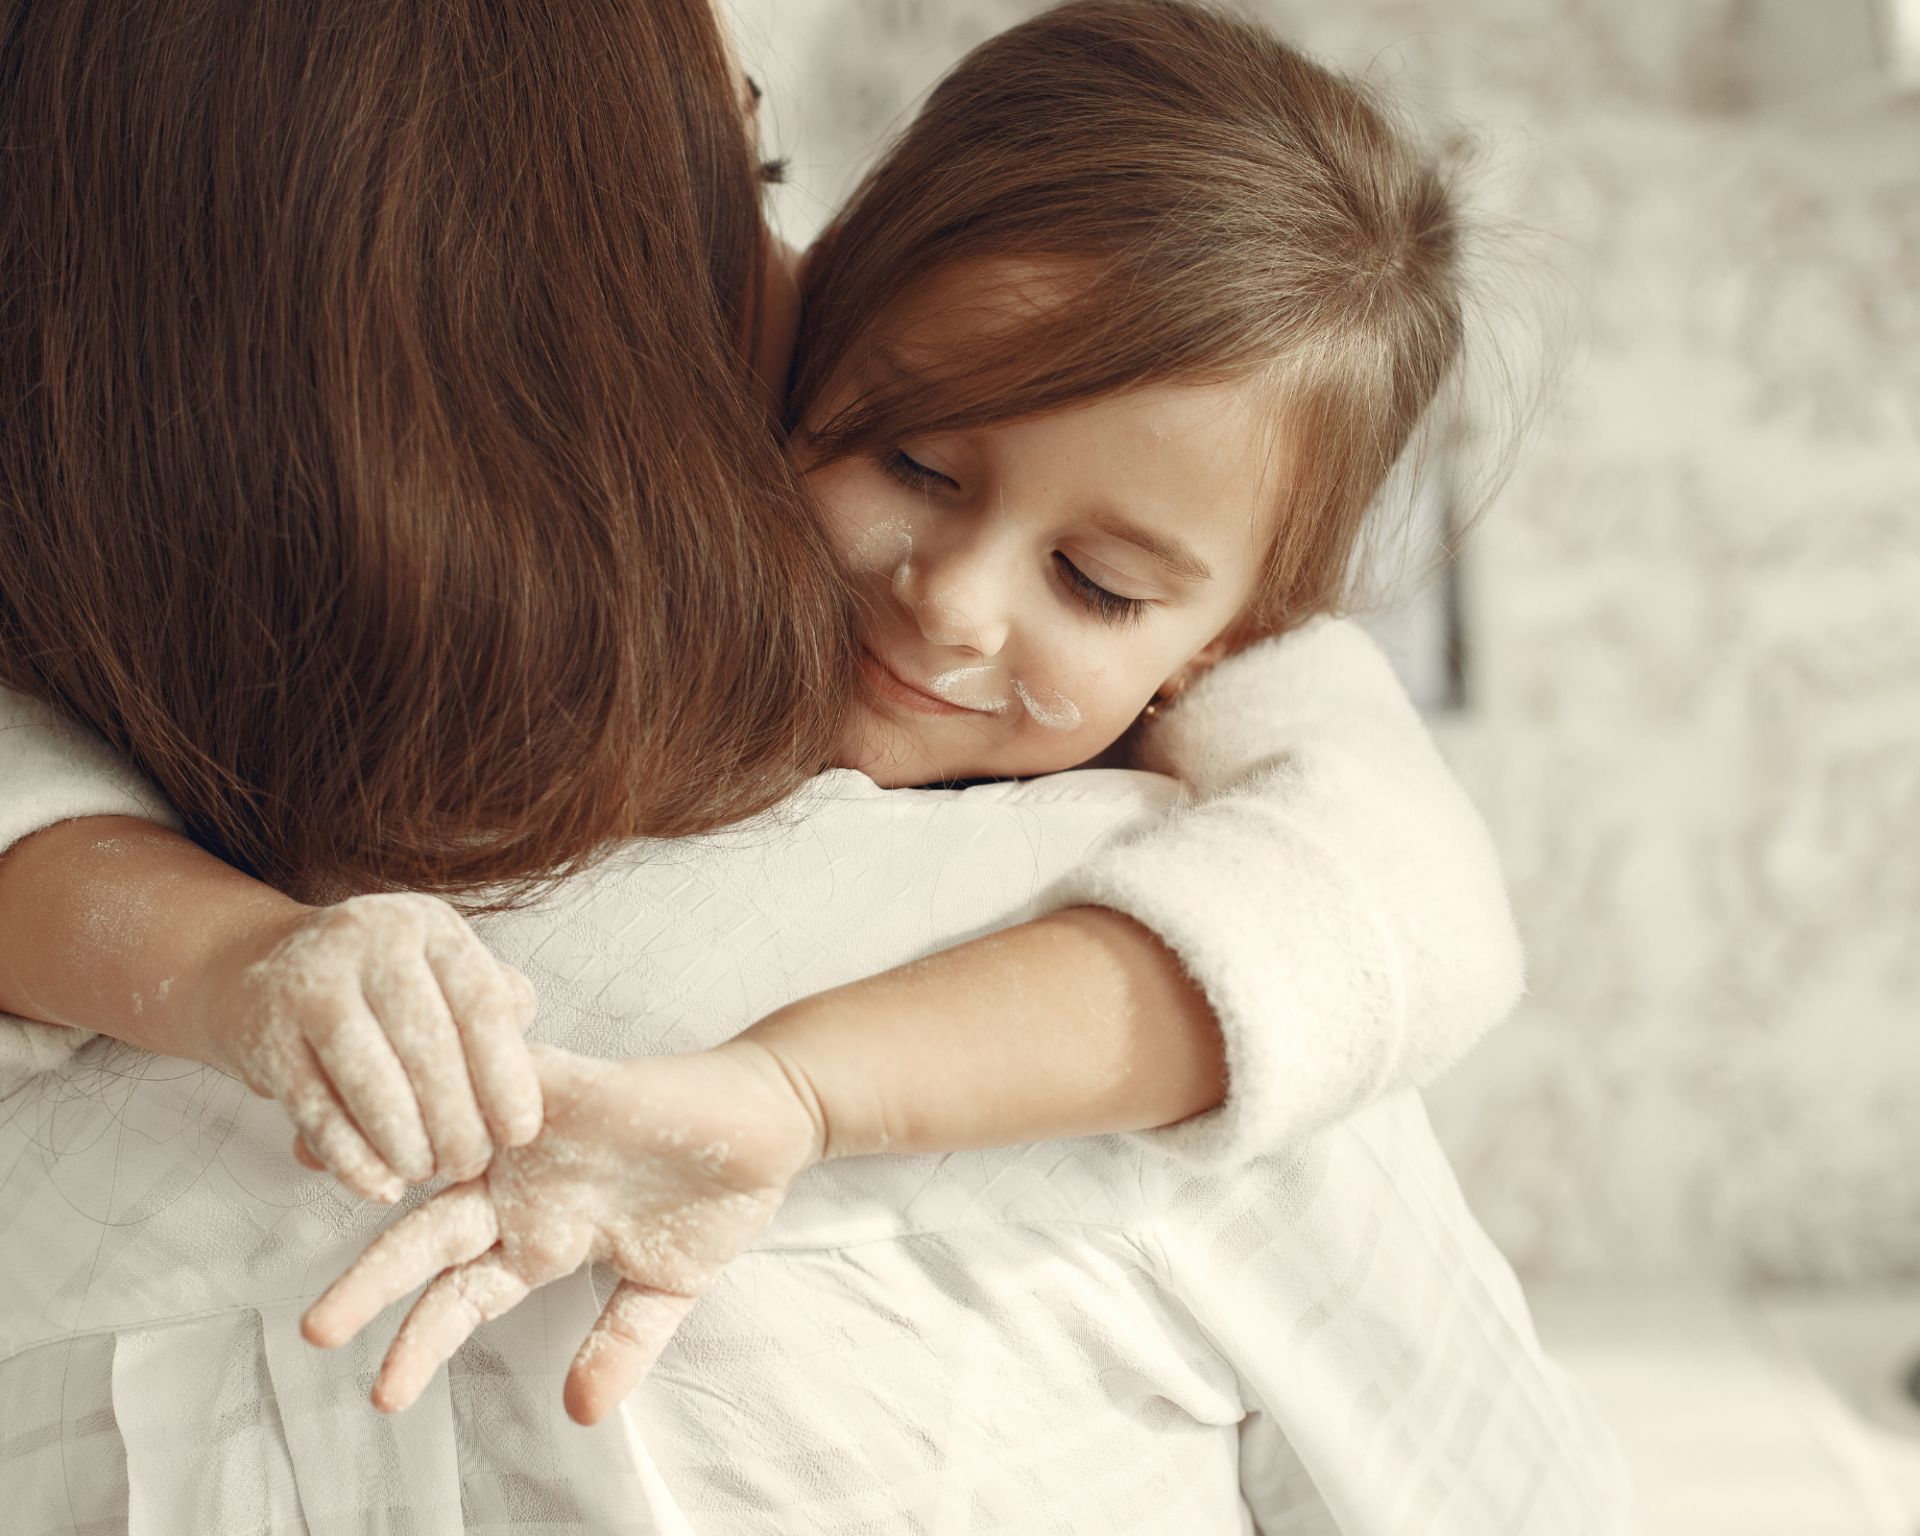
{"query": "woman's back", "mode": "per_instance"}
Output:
(1084, 1330)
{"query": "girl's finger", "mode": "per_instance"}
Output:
(624, 1343)
(405, 998)
(526, 1001)
(367, 1074)
(454, 1226)
(446, 1313)
(303, 1155)
(330, 1134)
(492, 1007)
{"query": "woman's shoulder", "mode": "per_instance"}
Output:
(678, 945)
(1104, 786)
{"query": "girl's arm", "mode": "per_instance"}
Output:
(115, 925)
(1075, 1024)
(1331, 889)
(1325, 923)
(53, 771)
(1332, 898)
(1328, 918)
(1072, 1025)
(382, 1025)
(137, 933)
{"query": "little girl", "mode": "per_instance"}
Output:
(1099, 374)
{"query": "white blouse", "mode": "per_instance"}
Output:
(1327, 882)
(1088, 1336)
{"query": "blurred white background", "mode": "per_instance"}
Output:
(1692, 694)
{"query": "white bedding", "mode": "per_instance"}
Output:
(1087, 1336)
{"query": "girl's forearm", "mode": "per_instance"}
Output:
(381, 1025)
(1073, 1025)
(104, 920)
(1076, 1024)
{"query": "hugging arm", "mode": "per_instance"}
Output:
(666, 1167)
(1330, 889)
(1327, 919)
(1337, 926)
(1324, 924)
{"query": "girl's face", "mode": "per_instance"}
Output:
(1033, 584)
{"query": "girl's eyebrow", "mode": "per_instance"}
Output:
(1176, 555)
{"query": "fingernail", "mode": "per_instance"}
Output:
(390, 1192)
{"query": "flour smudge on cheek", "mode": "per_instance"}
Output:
(1053, 710)
(886, 547)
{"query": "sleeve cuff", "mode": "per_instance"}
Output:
(28, 1049)
(1300, 970)
(55, 770)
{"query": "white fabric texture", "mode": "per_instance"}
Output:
(1087, 1336)
(1330, 888)
(53, 770)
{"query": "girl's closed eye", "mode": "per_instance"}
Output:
(1103, 602)
(911, 473)
(1109, 607)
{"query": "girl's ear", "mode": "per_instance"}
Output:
(1201, 662)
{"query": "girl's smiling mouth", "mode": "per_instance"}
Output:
(895, 689)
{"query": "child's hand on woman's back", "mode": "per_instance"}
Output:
(387, 1032)
(664, 1167)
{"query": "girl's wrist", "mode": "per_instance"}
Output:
(791, 1096)
(797, 1042)
(219, 1011)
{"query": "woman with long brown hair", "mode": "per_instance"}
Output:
(418, 237)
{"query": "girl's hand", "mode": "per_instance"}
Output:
(665, 1167)
(387, 1032)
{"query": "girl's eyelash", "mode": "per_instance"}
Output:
(1108, 607)
(911, 472)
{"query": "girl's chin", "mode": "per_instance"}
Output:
(895, 773)
(887, 753)
(896, 754)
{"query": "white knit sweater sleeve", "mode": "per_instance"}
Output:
(1329, 886)
(52, 770)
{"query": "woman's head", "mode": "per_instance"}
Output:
(379, 464)
(1133, 195)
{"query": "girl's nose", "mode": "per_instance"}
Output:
(957, 599)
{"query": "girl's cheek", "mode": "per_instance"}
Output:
(869, 522)
(1066, 681)
(883, 547)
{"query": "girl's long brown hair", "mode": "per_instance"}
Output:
(378, 469)
(1212, 205)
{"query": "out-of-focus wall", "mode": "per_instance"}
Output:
(1694, 613)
